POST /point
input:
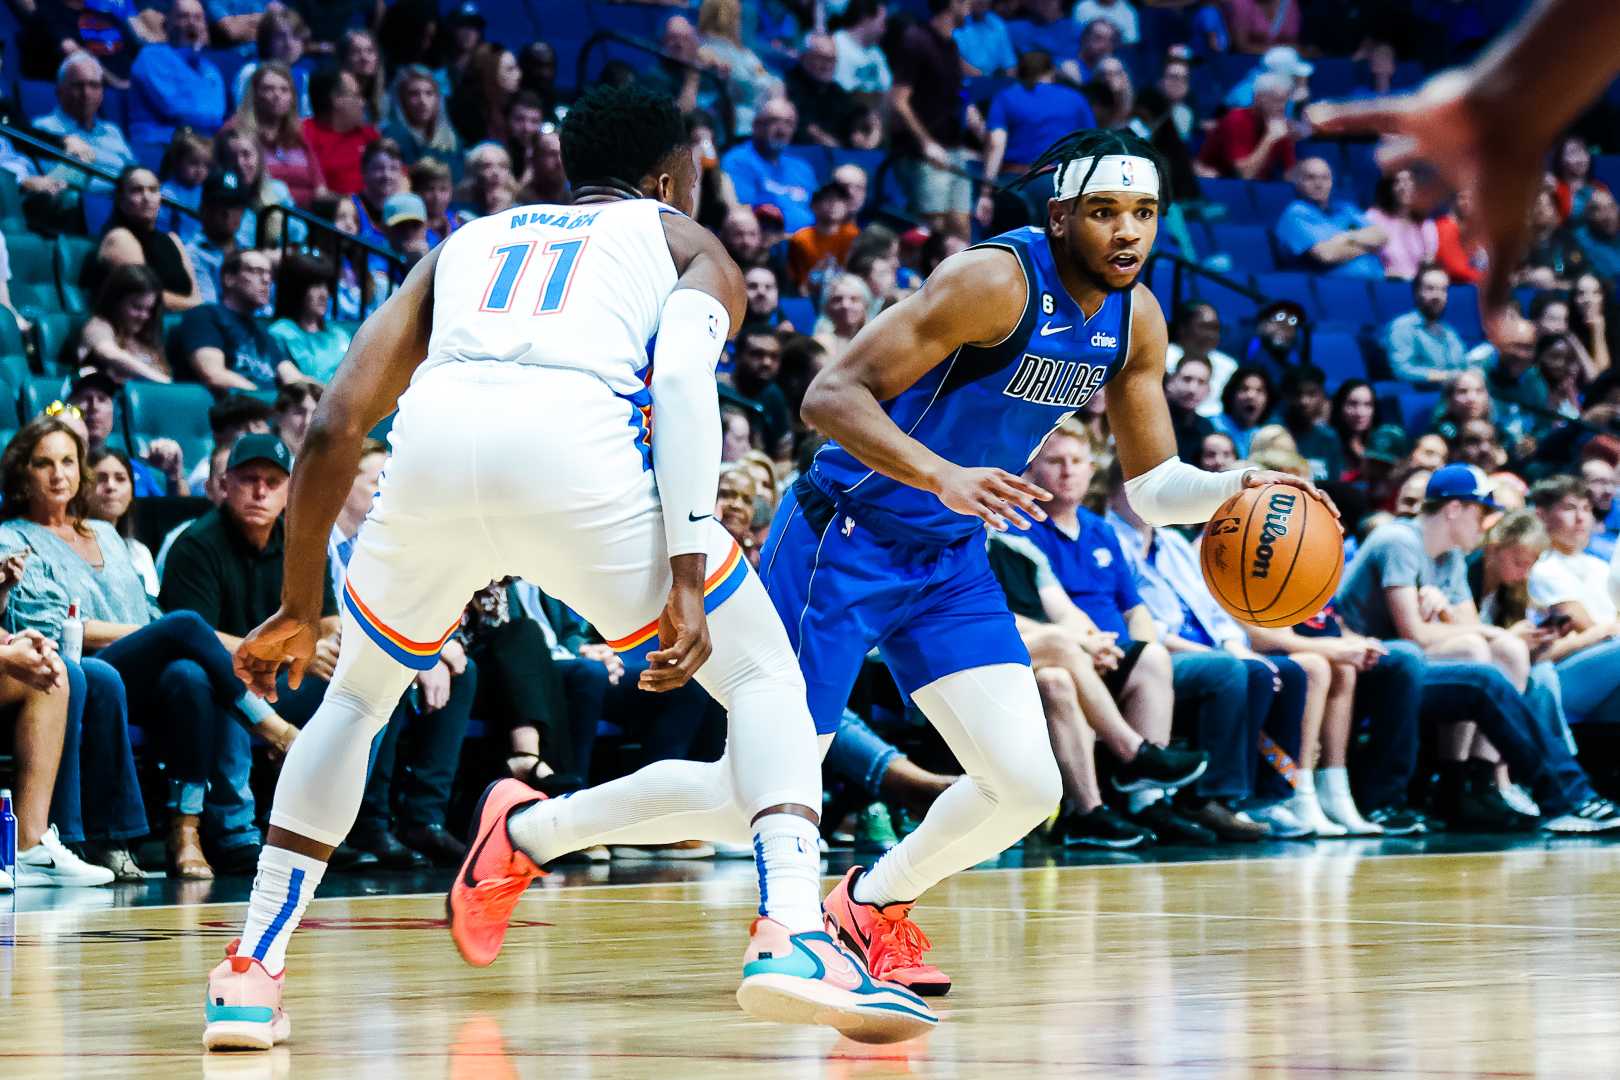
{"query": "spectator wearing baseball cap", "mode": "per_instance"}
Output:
(95, 394)
(1284, 61)
(405, 221)
(224, 201)
(227, 567)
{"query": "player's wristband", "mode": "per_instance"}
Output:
(1175, 493)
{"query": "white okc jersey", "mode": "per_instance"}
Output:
(575, 287)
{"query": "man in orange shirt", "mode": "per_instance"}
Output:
(815, 249)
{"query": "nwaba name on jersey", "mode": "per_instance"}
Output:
(1067, 383)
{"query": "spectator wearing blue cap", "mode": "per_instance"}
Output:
(176, 85)
(1319, 232)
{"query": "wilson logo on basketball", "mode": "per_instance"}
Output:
(1274, 529)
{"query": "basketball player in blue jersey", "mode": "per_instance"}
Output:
(934, 410)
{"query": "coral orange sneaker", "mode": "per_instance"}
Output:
(809, 978)
(493, 877)
(243, 1007)
(885, 939)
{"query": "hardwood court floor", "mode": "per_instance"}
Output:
(1326, 965)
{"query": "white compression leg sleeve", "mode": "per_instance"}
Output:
(318, 794)
(324, 776)
(991, 718)
(771, 753)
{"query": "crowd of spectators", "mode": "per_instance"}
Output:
(846, 149)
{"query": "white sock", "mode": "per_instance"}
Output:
(281, 891)
(788, 859)
(1337, 802)
(664, 803)
(991, 719)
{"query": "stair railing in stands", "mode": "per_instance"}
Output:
(330, 237)
(601, 37)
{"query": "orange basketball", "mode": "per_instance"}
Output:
(1272, 555)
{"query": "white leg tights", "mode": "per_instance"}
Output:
(991, 719)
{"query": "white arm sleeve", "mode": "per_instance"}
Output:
(1175, 493)
(686, 416)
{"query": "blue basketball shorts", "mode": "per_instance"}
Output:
(842, 591)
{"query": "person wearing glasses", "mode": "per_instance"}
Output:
(221, 345)
(1275, 345)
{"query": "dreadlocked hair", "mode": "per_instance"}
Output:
(1096, 144)
(616, 135)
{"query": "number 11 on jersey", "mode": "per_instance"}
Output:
(513, 263)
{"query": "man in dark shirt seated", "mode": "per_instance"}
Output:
(222, 346)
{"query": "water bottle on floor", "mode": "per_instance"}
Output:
(8, 835)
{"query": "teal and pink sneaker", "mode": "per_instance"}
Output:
(808, 978)
(243, 1007)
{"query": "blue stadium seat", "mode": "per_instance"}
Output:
(1161, 281)
(1235, 309)
(1462, 312)
(51, 332)
(1606, 167)
(1363, 172)
(1232, 194)
(1271, 197)
(36, 296)
(115, 106)
(868, 160)
(36, 97)
(69, 258)
(1345, 300)
(32, 259)
(177, 411)
(12, 343)
(11, 207)
(38, 392)
(1339, 357)
(816, 157)
(1334, 77)
(799, 311)
(1249, 246)
(1391, 298)
(1290, 285)
(14, 375)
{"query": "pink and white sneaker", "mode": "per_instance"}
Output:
(808, 978)
(243, 1007)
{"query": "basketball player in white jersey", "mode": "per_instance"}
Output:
(536, 437)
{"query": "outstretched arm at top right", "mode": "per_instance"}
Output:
(974, 298)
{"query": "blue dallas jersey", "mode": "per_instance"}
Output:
(988, 406)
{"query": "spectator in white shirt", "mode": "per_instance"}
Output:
(1571, 596)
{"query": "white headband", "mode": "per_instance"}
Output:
(1114, 172)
